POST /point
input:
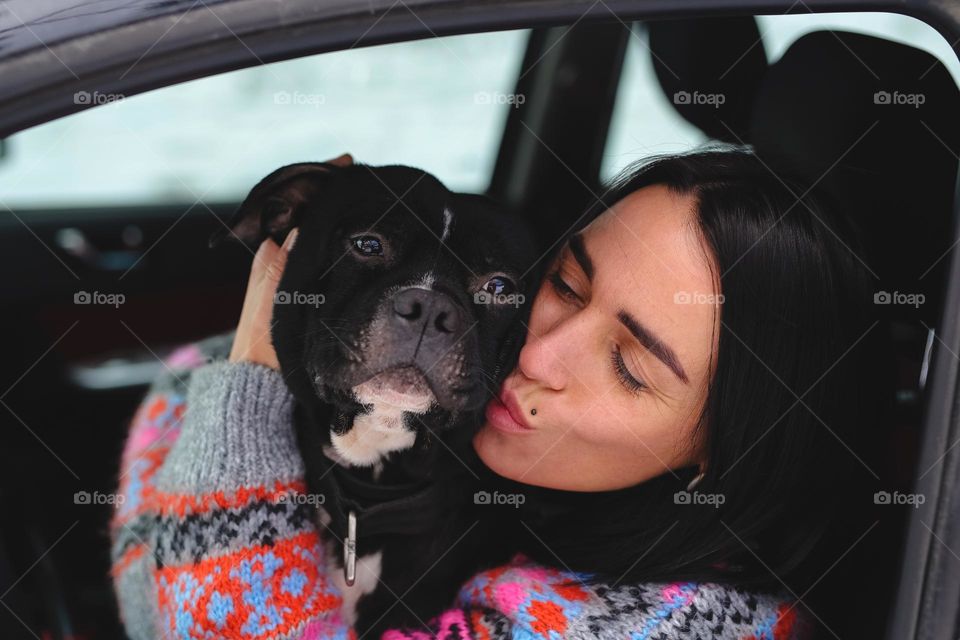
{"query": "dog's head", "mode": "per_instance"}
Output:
(402, 304)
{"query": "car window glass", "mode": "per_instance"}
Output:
(437, 103)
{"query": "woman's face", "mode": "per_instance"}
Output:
(617, 365)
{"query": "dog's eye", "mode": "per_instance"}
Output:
(368, 245)
(499, 285)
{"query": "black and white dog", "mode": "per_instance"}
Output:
(400, 311)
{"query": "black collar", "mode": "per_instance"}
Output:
(362, 507)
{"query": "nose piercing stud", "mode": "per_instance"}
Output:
(533, 412)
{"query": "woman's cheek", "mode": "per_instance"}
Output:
(603, 424)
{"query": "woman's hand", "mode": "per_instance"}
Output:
(252, 342)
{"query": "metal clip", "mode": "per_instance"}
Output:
(350, 550)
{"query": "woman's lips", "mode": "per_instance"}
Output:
(505, 414)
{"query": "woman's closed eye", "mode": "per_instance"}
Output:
(623, 374)
(627, 379)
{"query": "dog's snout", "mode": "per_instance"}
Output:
(429, 311)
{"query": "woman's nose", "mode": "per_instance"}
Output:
(554, 356)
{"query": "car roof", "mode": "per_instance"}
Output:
(28, 24)
(52, 49)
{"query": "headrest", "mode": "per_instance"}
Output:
(875, 124)
(871, 122)
(696, 59)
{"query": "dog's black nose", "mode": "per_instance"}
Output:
(417, 310)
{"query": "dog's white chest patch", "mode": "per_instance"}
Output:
(372, 436)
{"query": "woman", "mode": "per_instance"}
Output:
(689, 399)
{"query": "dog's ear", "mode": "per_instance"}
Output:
(275, 204)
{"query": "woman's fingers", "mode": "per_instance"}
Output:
(252, 342)
(342, 160)
(276, 261)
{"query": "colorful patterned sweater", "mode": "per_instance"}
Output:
(210, 541)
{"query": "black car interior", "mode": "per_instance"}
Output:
(896, 174)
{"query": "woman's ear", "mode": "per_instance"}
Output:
(276, 204)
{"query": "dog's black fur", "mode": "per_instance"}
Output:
(368, 237)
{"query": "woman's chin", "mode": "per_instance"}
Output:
(494, 451)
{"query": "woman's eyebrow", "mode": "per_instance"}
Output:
(579, 251)
(653, 344)
(647, 338)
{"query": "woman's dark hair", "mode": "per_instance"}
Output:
(786, 406)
